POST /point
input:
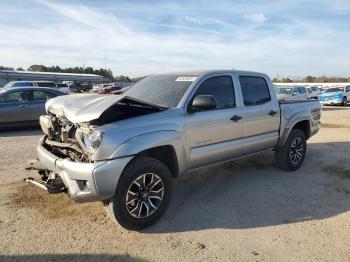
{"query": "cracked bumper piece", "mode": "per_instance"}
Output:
(85, 181)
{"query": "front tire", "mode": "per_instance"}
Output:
(143, 194)
(345, 101)
(291, 155)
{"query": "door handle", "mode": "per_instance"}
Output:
(236, 118)
(272, 113)
(22, 106)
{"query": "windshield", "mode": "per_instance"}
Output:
(165, 90)
(335, 89)
(284, 91)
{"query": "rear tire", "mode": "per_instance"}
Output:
(135, 206)
(291, 155)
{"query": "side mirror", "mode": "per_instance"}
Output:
(295, 93)
(203, 102)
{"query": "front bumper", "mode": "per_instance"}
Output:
(331, 102)
(85, 181)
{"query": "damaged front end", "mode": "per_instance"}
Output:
(71, 153)
(75, 134)
(64, 141)
(62, 138)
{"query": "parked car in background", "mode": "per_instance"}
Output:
(291, 92)
(74, 88)
(63, 87)
(114, 88)
(121, 91)
(19, 84)
(107, 89)
(85, 87)
(79, 88)
(95, 87)
(22, 106)
(314, 91)
(125, 150)
(47, 84)
(335, 96)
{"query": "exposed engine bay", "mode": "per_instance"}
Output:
(61, 138)
(64, 138)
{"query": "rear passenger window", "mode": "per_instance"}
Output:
(255, 90)
(221, 87)
(42, 95)
(302, 90)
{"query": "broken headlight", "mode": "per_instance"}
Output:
(91, 139)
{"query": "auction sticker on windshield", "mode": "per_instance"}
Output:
(186, 78)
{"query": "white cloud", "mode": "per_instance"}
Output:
(258, 18)
(146, 42)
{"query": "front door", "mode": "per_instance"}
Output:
(212, 135)
(14, 108)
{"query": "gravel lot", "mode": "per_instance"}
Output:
(246, 210)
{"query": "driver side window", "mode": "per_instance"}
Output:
(220, 87)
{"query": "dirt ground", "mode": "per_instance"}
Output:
(246, 210)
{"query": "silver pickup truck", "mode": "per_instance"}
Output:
(125, 150)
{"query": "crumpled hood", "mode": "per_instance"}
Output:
(81, 108)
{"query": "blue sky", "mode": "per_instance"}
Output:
(282, 38)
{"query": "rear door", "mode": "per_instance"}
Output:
(14, 107)
(212, 136)
(260, 113)
(38, 100)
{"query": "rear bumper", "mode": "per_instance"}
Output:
(85, 182)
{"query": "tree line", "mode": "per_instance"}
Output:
(106, 73)
(313, 79)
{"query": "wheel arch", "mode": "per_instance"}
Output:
(304, 124)
(165, 154)
(166, 146)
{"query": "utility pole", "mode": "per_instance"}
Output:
(105, 59)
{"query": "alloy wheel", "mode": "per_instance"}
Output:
(296, 151)
(145, 195)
